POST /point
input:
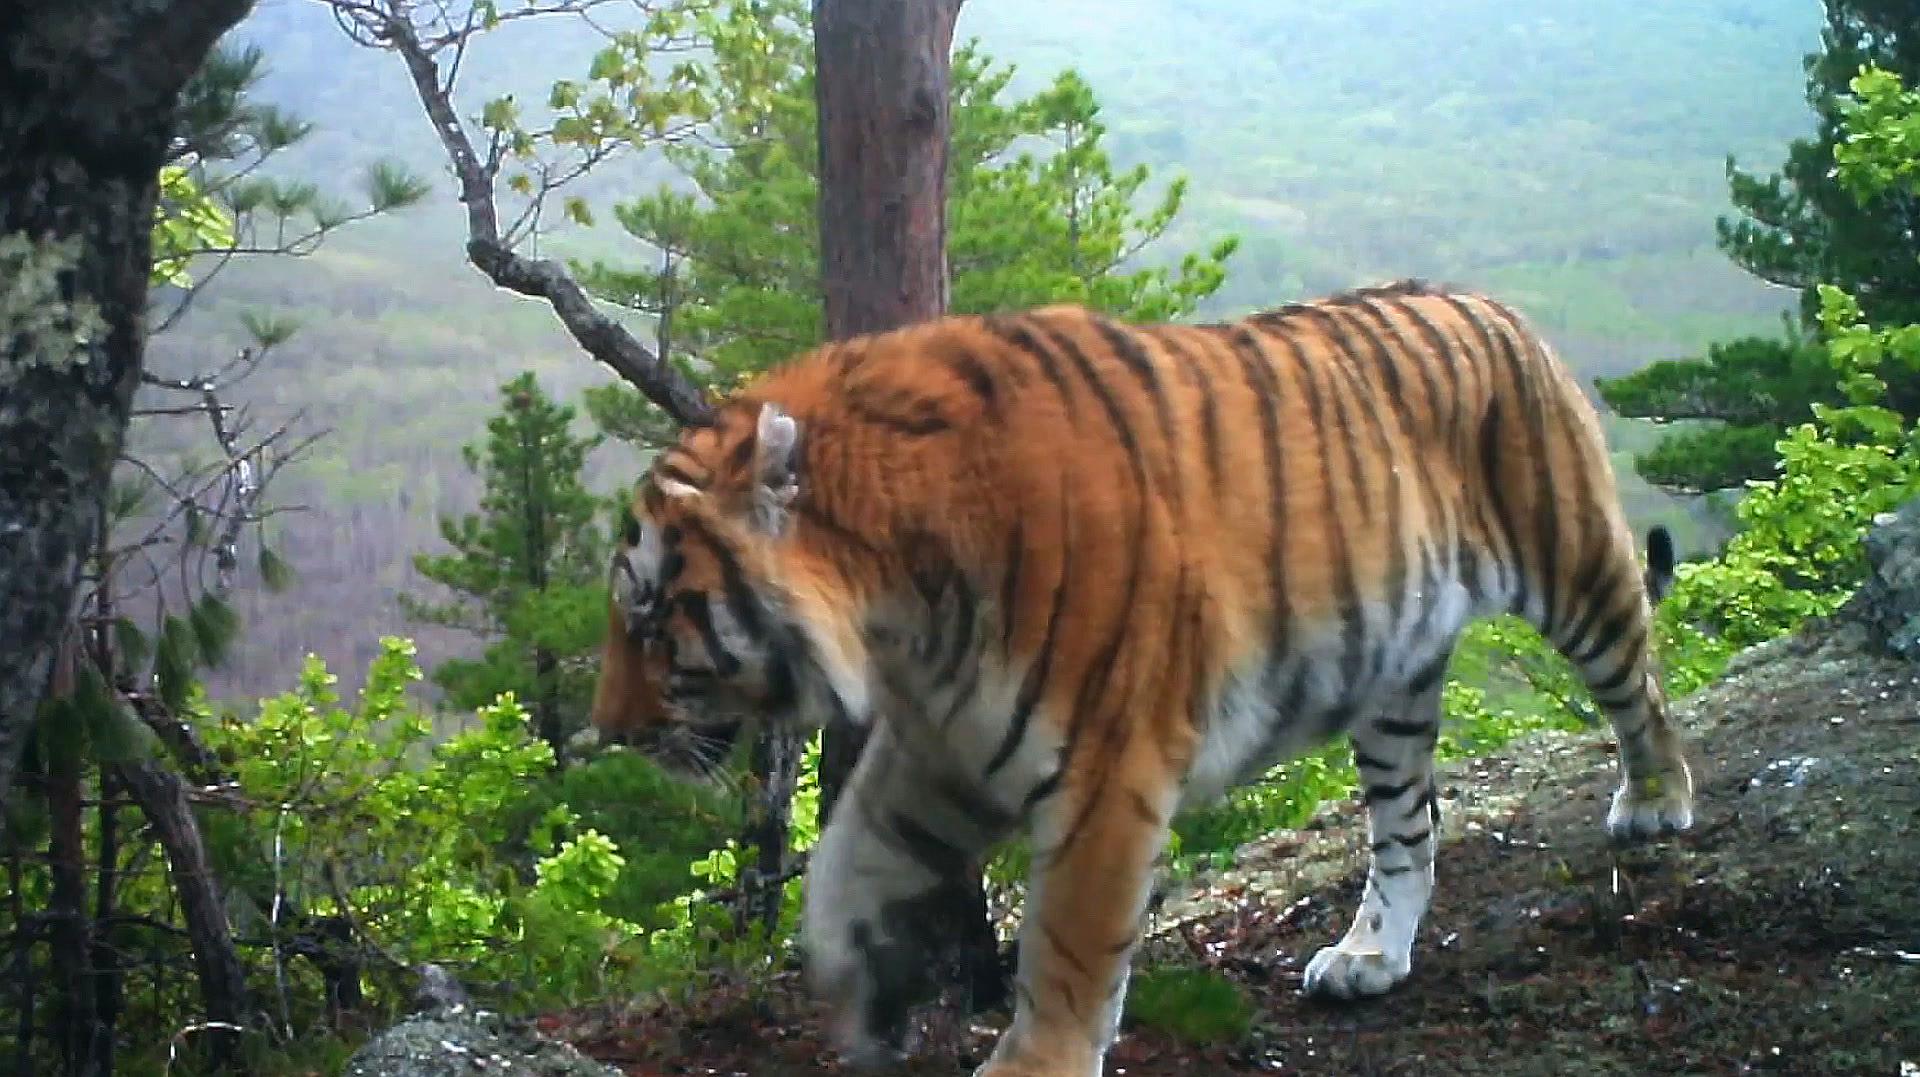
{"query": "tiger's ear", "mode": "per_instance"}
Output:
(776, 468)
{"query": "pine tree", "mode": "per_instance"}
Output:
(1036, 213)
(527, 569)
(1797, 228)
(1800, 227)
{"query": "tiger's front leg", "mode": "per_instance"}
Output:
(878, 890)
(1394, 754)
(1096, 842)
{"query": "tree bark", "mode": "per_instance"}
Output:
(87, 96)
(776, 765)
(882, 88)
(75, 1022)
(882, 93)
(223, 984)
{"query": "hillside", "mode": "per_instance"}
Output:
(1568, 158)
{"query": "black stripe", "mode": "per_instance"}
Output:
(1367, 762)
(1525, 382)
(1429, 675)
(1364, 315)
(1036, 679)
(900, 412)
(1497, 499)
(1402, 727)
(1611, 683)
(1338, 352)
(742, 454)
(928, 849)
(1415, 839)
(1584, 597)
(1202, 386)
(1265, 385)
(1393, 791)
(1046, 788)
(1014, 330)
(1127, 347)
(1352, 622)
(740, 598)
(1612, 631)
(1429, 802)
(693, 604)
(1116, 415)
(968, 368)
(1060, 947)
(966, 631)
(962, 695)
(1436, 347)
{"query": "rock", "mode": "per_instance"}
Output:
(1888, 603)
(460, 1041)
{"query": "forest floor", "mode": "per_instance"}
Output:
(1782, 935)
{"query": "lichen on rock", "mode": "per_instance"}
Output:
(46, 329)
(459, 1041)
(1888, 603)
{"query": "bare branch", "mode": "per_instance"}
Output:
(391, 27)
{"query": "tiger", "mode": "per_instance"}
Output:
(1073, 575)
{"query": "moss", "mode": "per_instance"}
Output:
(1191, 1005)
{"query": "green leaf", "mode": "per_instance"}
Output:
(62, 734)
(131, 643)
(578, 212)
(174, 659)
(390, 186)
(116, 735)
(500, 113)
(607, 63)
(214, 628)
(274, 571)
(269, 329)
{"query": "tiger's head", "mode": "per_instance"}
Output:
(702, 642)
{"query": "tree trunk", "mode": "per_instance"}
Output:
(776, 764)
(75, 1023)
(882, 90)
(882, 93)
(223, 985)
(87, 96)
(546, 705)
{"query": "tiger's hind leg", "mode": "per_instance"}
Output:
(877, 893)
(1610, 644)
(1394, 754)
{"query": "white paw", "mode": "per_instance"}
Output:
(1650, 808)
(1354, 969)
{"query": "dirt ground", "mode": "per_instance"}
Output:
(1781, 936)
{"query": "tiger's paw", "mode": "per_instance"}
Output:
(1350, 970)
(1651, 808)
(994, 1067)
